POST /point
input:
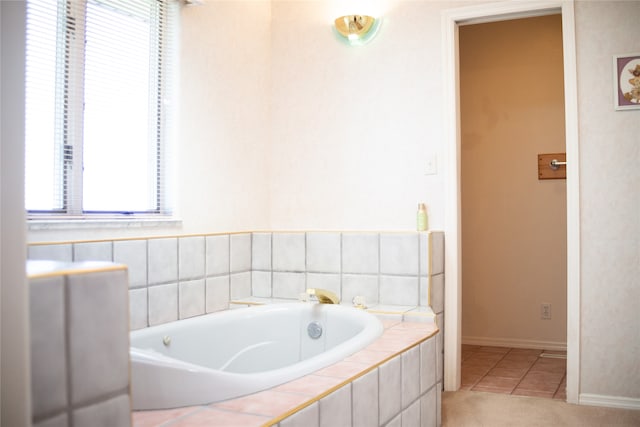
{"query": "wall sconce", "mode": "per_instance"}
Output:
(356, 30)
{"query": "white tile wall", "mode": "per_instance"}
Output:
(138, 304)
(390, 394)
(240, 256)
(437, 246)
(365, 400)
(93, 251)
(261, 284)
(381, 397)
(429, 420)
(132, 253)
(289, 252)
(437, 293)
(425, 254)
(79, 320)
(399, 290)
(191, 257)
(384, 268)
(163, 260)
(360, 253)
(217, 255)
(58, 252)
(323, 252)
(411, 415)
(97, 316)
(307, 417)
(429, 408)
(410, 382)
(335, 409)
(240, 285)
(288, 285)
(163, 304)
(424, 291)
(440, 356)
(399, 254)
(112, 412)
(48, 336)
(217, 293)
(56, 421)
(396, 421)
(261, 251)
(191, 298)
(428, 364)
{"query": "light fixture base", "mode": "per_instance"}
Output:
(356, 29)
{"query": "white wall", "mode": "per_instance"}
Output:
(353, 127)
(610, 205)
(14, 296)
(223, 135)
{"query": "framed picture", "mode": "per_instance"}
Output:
(626, 78)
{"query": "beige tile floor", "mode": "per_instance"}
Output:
(516, 371)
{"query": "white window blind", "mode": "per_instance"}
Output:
(98, 79)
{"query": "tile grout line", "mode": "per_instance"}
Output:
(489, 370)
(525, 374)
(560, 384)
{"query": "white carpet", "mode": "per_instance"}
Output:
(479, 409)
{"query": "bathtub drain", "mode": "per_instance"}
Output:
(314, 330)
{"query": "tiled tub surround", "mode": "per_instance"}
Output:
(173, 278)
(79, 344)
(395, 381)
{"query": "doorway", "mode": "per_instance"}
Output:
(452, 19)
(513, 222)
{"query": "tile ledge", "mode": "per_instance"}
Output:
(37, 269)
(402, 312)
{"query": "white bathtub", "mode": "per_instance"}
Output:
(224, 355)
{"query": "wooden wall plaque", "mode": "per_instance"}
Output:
(546, 168)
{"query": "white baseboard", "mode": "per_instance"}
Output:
(609, 401)
(515, 343)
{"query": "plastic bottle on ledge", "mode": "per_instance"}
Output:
(423, 221)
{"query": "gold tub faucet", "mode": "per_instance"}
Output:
(324, 296)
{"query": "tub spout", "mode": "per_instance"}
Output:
(324, 296)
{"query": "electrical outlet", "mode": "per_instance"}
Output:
(545, 311)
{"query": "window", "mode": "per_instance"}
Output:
(97, 90)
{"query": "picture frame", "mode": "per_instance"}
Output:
(626, 78)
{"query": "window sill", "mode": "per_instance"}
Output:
(113, 222)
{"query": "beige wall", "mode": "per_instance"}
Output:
(513, 224)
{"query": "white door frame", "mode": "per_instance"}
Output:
(451, 19)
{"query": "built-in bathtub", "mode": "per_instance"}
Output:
(233, 353)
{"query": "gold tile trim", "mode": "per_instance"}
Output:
(317, 398)
(124, 239)
(69, 269)
(430, 280)
(222, 233)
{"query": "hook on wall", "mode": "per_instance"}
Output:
(552, 166)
